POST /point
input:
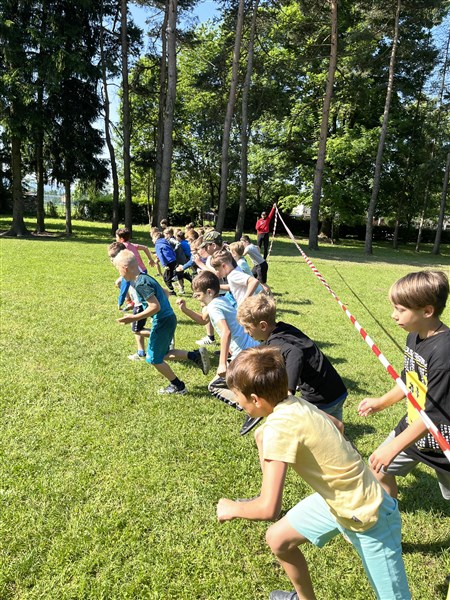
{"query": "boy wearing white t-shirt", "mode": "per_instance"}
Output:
(347, 499)
(221, 313)
(241, 284)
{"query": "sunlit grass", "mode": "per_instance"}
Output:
(108, 490)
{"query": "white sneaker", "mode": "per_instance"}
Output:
(172, 389)
(205, 341)
(136, 356)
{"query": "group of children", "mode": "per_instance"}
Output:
(272, 370)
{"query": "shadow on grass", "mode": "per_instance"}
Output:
(425, 486)
(355, 431)
(353, 251)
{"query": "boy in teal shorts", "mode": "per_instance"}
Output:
(164, 322)
(347, 499)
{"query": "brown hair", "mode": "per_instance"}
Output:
(259, 371)
(168, 231)
(206, 280)
(257, 308)
(156, 235)
(124, 233)
(237, 248)
(220, 257)
(420, 289)
(115, 248)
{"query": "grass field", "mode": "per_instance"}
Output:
(108, 491)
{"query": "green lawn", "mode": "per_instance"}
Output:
(108, 490)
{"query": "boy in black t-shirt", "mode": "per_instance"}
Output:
(309, 370)
(418, 300)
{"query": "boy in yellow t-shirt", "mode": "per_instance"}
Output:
(348, 498)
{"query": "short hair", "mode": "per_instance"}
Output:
(168, 231)
(164, 223)
(192, 234)
(220, 257)
(180, 235)
(206, 280)
(189, 226)
(237, 248)
(246, 238)
(115, 248)
(124, 233)
(420, 289)
(126, 259)
(257, 308)
(260, 371)
(157, 235)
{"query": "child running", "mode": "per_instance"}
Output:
(233, 339)
(347, 499)
(241, 284)
(156, 305)
(418, 300)
(309, 370)
(260, 266)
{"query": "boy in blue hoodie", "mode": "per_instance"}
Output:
(167, 257)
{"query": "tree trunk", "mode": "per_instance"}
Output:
(110, 145)
(68, 207)
(18, 227)
(40, 210)
(387, 107)
(126, 126)
(161, 110)
(166, 167)
(318, 174)
(437, 239)
(244, 127)
(229, 118)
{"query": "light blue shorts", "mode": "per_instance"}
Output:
(379, 547)
(160, 338)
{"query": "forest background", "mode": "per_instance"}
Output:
(340, 107)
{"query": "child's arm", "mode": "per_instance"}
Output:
(147, 253)
(267, 506)
(368, 406)
(225, 287)
(384, 455)
(197, 317)
(153, 306)
(225, 339)
(252, 284)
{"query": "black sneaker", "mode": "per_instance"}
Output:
(202, 360)
(249, 423)
(279, 595)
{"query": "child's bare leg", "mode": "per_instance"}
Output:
(176, 355)
(284, 540)
(140, 339)
(165, 370)
(388, 482)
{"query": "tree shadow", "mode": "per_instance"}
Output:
(355, 431)
(425, 485)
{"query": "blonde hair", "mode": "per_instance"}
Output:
(257, 308)
(237, 248)
(259, 371)
(125, 258)
(424, 288)
(168, 231)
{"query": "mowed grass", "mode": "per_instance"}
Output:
(108, 491)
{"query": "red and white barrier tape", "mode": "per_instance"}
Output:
(443, 444)
(273, 234)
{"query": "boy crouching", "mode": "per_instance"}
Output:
(348, 498)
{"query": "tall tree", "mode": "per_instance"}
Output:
(126, 125)
(318, 174)
(244, 125)
(383, 132)
(15, 94)
(166, 166)
(229, 118)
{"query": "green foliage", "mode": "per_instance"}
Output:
(109, 490)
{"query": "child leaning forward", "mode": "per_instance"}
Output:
(347, 499)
